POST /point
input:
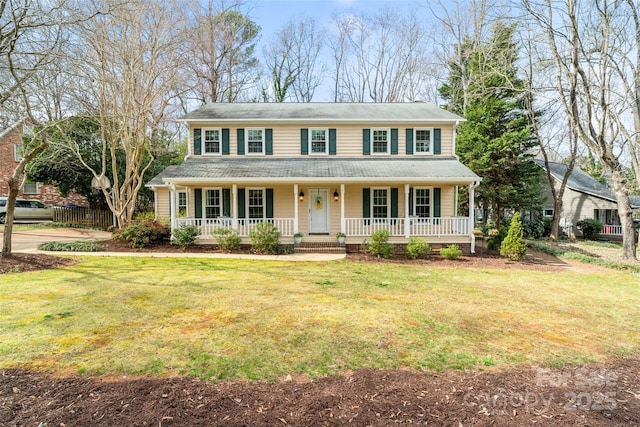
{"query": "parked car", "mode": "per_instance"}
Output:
(26, 210)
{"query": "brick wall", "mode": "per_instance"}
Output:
(46, 193)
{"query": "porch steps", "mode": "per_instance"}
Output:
(319, 248)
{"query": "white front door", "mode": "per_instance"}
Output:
(318, 210)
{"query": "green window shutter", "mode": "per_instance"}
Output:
(366, 141)
(394, 141)
(225, 141)
(197, 141)
(409, 141)
(436, 202)
(197, 198)
(304, 141)
(240, 133)
(268, 137)
(437, 146)
(332, 142)
(394, 203)
(269, 202)
(241, 201)
(226, 202)
(366, 203)
(411, 201)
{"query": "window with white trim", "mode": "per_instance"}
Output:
(254, 141)
(318, 141)
(422, 202)
(211, 141)
(547, 213)
(182, 203)
(213, 203)
(380, 203)
(256, 202)
(18, 152)
(380, 141)
(30, 187)
(422, 141)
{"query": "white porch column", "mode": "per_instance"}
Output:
(172, 207)
(472, 214)
(295, 209)
(343, 221)
(407, 225)
(234, 207)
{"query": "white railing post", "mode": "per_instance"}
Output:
(407, 225)
(343, 225)
(295, 209)
(234, 207)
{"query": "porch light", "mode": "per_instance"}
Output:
(301, 196)
(336, 196)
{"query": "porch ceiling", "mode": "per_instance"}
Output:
(338, 170)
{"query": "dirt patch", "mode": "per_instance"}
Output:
(597, 395)
(20, 262)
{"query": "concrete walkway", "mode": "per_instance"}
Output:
(28, 241)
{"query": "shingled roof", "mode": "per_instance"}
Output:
(229, 170)
(417, 112)
(582, 182)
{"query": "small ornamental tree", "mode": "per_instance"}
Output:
(513, 246)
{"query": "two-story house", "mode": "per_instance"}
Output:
(319, 169)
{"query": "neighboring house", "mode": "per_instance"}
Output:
(319, 169)
(10, 156)
(584, 197)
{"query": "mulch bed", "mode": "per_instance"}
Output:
(597, 395)
(592, 395)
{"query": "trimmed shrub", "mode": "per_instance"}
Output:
(418, 248)
(265, 239)
(590, 228)
(537, 227)
(185, 235)
(70, 246)
(513, 246)
(142, 233)
(227, 239)
(450, 252)
(380, 245)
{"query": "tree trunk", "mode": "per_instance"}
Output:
(555, 223)
(8, 225)
(626, 220)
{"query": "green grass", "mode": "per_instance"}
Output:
(33, 226)
(228, 319)
(586, 258)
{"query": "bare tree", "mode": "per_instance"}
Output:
(128, 63)
(583, 40)
(219, 52)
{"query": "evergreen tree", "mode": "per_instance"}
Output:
(496, 141)
(513, 246)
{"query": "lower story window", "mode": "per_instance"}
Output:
(547, 213)
(380, 203)
(182, 203)
(256, 203)
(30, 187)
(422, 202)
(213, 203)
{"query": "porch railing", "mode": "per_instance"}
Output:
(444, 226)
(243, 226)
(612, 230)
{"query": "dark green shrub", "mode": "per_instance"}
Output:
(185, 235)
(227, 239)
(494, 242)
(450, 252)
(536, 228)
(71, 247)
(142, 233)
(418, 248)
(265, 239)
(513, 246)
(589, 227)
(380, 245)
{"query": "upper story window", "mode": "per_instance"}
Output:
(422, 202)
(255, 141)
(380, 141)
(422, 140)
(18, 152)
(318, 141)
(380, 203)
(211, 139)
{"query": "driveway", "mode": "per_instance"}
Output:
(28, 241)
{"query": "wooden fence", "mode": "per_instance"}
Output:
(83, 216)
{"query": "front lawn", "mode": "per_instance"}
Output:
(224, 319)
